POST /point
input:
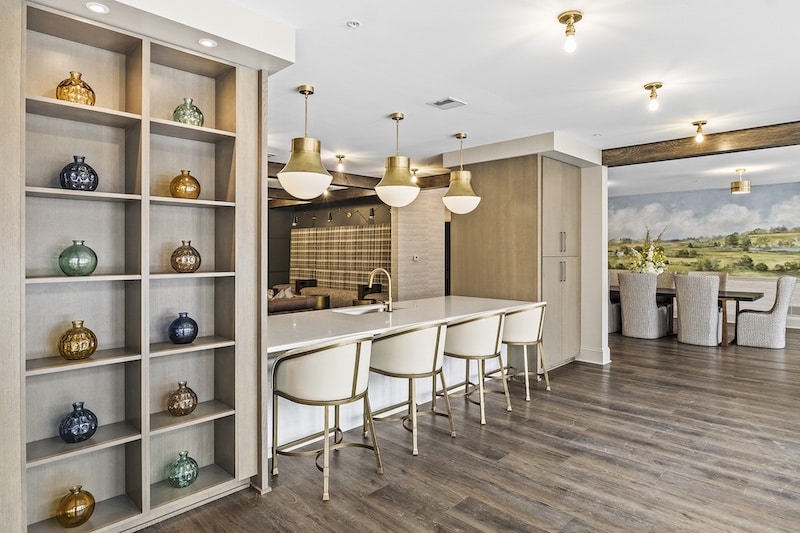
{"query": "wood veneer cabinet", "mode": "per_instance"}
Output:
(133, 225)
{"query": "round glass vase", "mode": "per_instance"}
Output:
(78, 342)
(78, 175)
(79, 425)
(75, 508)
(77, 260)
(185, 259)
(184, 185)
(183, 472)
(183, 329)
(188, 113)
(182, 400)
(74, 89)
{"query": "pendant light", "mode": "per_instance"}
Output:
(396, 188)
(570, 18)
(740, 186)
(652, 87)
(460, 197)
(304, 176)
(700, 134)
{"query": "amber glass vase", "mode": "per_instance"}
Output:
(184, 185)
(78, 342)
(185, 258)
(182, 400)
(75, 508)
(74, 89)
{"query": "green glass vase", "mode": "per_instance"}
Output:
(188, 113)
(182, 472)
(77, 260)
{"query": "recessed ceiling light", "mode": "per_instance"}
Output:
(97, 7)
(353, 24)
(208, 43)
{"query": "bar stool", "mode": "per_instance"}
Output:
(330, 374)
(477, 339)
(523, 327)
(411, 353)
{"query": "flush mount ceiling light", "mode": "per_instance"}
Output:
(699, 137)
(304, 176)
(353, 24)
(396, 188)
(340, 165)
(97, 7)
(570, 18)
(740, 186)
(460, 197)
(207, 42)
(652, 86)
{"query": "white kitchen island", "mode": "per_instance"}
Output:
(297, 330)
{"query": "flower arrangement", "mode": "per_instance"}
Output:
(651, 259)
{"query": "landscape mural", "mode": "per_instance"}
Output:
(752, 235)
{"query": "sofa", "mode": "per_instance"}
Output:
(338, 297)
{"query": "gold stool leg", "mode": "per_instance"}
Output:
(325, 459)
(446, 402)
(480, 390)
(527, 376)
(540, 350)
(412, 407)
(274, 434)
(377, 450)
(504, 378)
(433, 396)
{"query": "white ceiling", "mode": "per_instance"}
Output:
(730, 62)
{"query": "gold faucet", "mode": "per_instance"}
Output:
(372, 275)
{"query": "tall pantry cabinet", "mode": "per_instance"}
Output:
(133, 224)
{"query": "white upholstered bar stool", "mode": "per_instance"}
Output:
(411, 353)
(330, 374)
(477, 339)
(523, 327)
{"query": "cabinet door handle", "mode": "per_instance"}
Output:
(564, 241)
(563, 271)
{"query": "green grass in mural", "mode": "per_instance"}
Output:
(758, 253)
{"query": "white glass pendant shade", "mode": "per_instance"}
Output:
(397, 188)
(460, 197)
(304, 176)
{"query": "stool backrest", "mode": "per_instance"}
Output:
(524, 326)
(479, 335)
(327, 372)
(412, 350)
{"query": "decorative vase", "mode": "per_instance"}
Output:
(184, 186)
(78, 175)
(77, 260)
(74, 89)
(183, 329)
(77, 426)
(78, 342)
(182, 472)
(182, 400)
(185, 258)
(188, 113)
(75, 508)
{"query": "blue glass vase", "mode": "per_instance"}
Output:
(182, 472)
(183, 329)
(77, 426)
(78, 175)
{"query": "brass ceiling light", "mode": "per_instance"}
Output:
(396, 187)
(652, 86)
(340, 165)
(414, 174)
(570, 18)
(460, 197)
(304, 176)
(699, 136)
(740, 186)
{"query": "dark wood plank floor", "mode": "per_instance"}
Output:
(668, 437)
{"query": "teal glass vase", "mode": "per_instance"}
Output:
(188, 113)
(182, 472)
(77, 260)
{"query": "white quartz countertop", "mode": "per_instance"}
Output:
(294, 330)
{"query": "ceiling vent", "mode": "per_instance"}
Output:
(447, 103)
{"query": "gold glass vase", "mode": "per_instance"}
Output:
(75, 508)
(74, 89)
(184, 186)
(78, 342)
(182, 400)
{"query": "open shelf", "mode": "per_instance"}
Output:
(209, 477)
(161, 349)
(205, 412)
(106, 514)
(49, 365)
(53, 449)
(99, 116)
(91, 196)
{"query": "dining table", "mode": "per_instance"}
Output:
(724, 297)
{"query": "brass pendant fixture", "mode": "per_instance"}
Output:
(396, 188)
(740, 186)
(304, 176)
(570, 18)
(460, 197)
(699, 136)
(652, 86)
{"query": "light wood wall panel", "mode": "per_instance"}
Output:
(494, 250)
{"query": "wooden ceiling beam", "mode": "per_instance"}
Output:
(772, 136)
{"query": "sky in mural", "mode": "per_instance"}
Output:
(704, 213)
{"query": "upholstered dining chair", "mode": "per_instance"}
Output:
(411, 353)
(767, 329)
(524, 327)
(642, 317)
(723, 277)
(329, 374)
(614, 314)
(477, 338)
(699, 316)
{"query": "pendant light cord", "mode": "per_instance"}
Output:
(397, 136)
(306, 132)
(461, 154)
